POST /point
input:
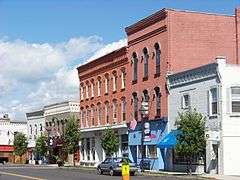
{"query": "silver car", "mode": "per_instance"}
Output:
(114, 166)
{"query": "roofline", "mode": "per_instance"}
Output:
(59, 103)
(158, 16)
(82, 67)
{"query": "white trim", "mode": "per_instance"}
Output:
(103, 127)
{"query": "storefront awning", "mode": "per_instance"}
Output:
(6, 148)
(170, 140)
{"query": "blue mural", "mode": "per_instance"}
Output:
(155, 157)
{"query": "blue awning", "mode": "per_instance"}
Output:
(170, 140)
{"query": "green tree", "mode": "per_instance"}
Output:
(191, 139)
(42, 146)
(109, 142)
(72, 136)
(20, 144)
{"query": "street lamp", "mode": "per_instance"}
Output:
(144, 114)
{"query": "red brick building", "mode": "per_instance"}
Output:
(166, 42)
(102, 103)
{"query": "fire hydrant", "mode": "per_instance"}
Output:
(125, 171)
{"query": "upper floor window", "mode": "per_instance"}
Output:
(36, 131)
(123, 109)
(99, 109)
(82, 117)
(135, 66)
(107, 83)
(213, 100)
(114, 81)
(99, 84)
(92, 88)
(158, 58)
(82, 92)
(88, 117)
(93, 115)
(30, 126)
(123, 78)
(135, 105)
(41, 127)
(158, 101)
(115, 111)
(88, 87)
(185, 101)
(145, 62)
(235, 99)
(107, 112)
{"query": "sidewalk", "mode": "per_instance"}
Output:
(220, 177)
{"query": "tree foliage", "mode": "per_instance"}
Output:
(109, 142)
(41, 146)
(191, 141)
(72, 135)
(20, 144)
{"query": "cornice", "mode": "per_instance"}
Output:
(104, 69)
(148, 21)
(148, 35)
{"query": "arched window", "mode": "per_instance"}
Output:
(158, 58)
(88, 117)
(93, 115)
(99, 109)
(92, 87)
(99, 83)
(107, 112)
(88, 87)
(115, 111)
(145, 62)
(135, 66)
(135, 105)
(82, 92)
(123, 78)
(114, 81)
(123, 109)
(82, 117)
(145, 96)
(107, 84)
(158, 101)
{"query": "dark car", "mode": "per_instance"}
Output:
(114, 165)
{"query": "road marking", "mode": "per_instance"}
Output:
(19, 175)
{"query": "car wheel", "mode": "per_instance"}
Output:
(111, 172)
(99, 171)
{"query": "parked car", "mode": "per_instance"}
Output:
(114, 165)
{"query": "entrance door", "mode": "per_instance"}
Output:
(215, 158)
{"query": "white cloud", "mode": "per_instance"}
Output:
(33, 75)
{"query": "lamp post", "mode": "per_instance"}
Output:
(144, 114)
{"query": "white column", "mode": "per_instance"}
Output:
(120, 145)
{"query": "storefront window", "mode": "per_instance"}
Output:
(93, 149)
(152, 151)
(124, 143)
(197, 159)
(140, 151)
(88, 149)
(82, 149)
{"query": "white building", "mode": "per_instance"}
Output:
(214, 91)
(8, 129)
(35, 128)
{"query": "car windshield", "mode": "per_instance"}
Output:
(120, 160)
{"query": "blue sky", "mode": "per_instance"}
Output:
(42, 42)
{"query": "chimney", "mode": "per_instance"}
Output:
(237, 22)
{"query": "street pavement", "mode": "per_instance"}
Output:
(55, 173)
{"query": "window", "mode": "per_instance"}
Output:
(114, 111)
(82, 117)
(114, 81)
(99, 114)
(92, 88)
(99, 87)
(93, 149)
(213, 109)
(92, 116)
(87, 90)
(88, 148)
(82, 92)
(158, 101)
(124, 145)
(123, 109)
(135, 106)
(123, 78)
(107, 112)
(197, 159)
(41, 127)
(135, 66)
(186, 101)
(30, 129)
(235, 94)
(107, 84)
(36, 131)
(82, 149)
(88, 117)
(158, 58)
(140, 151)
(145, 62)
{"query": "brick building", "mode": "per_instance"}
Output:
(102, 104)
(166, 42)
